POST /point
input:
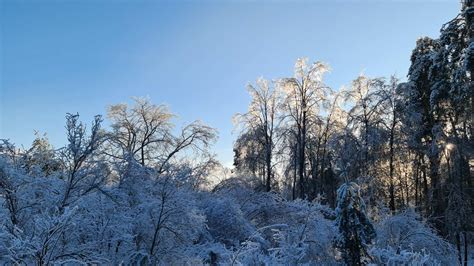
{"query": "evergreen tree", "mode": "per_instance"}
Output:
(355, 230)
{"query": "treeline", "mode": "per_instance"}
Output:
(106, 199)
(408, 144)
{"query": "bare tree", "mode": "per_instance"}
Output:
(139, 130)
(83, 174)
(365, 116)
(305, 93)
(144, 132)
(262, 119)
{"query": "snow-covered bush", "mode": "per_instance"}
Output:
(103, 227)
(225, 220)
(166, 221)
(208, 253)
(289, 232)
(308, 230)
(407, 232)
(393, 257)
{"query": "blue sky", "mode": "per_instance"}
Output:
(196, 57)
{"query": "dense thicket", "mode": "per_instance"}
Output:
(74, 206)
(379, 172)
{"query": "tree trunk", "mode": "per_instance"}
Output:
(391, 166)
(302, 157)
(465, 248)
(268, 163)
(294, 170)
(437, 198)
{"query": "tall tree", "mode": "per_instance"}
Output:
(365, 117)
(423, 123)
(391, 120)
(262, 119)
(305, 94)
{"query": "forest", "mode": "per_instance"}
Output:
(379, 172)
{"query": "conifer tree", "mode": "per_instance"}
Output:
(355, 229)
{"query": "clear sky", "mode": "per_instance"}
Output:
(195, 56)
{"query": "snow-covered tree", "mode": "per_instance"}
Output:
(262, 119)
(145, 132)
(305, 94)
(356, 232)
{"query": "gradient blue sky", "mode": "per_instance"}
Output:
(81, 56)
